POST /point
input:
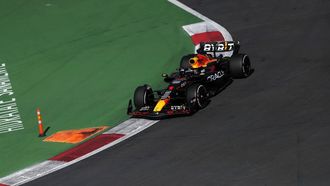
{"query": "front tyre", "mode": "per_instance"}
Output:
(240, 66)
(143, 96)
(197, 97)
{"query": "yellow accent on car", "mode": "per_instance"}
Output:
(161, 103)
(194, 62)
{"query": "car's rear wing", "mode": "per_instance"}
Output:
(224, 48)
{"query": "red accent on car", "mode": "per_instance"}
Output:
(170, 112)
(207, 37)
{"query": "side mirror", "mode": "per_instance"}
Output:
(164, 75)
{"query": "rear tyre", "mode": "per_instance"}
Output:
(240, 66)
(185, 61)
(143, 96)
(197, 97)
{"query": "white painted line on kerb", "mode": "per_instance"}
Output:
(224, 31)
(131, 126)
(31, 172)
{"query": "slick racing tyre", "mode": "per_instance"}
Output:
(197, 97)
(143, 96)
(240, 66)
(185, 61)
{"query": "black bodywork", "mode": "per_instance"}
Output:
(189, 89)
(214, 78)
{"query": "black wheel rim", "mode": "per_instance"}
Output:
(202, 96)
(246, 66)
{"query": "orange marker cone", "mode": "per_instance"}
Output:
(41, 130)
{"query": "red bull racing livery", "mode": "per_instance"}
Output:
(190, 88)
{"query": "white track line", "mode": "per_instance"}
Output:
(31, 173)
(224, 31)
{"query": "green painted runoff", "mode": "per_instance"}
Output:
(79, 61)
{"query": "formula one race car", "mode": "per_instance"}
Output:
(199, 77)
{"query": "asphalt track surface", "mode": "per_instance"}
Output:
(270, 129)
